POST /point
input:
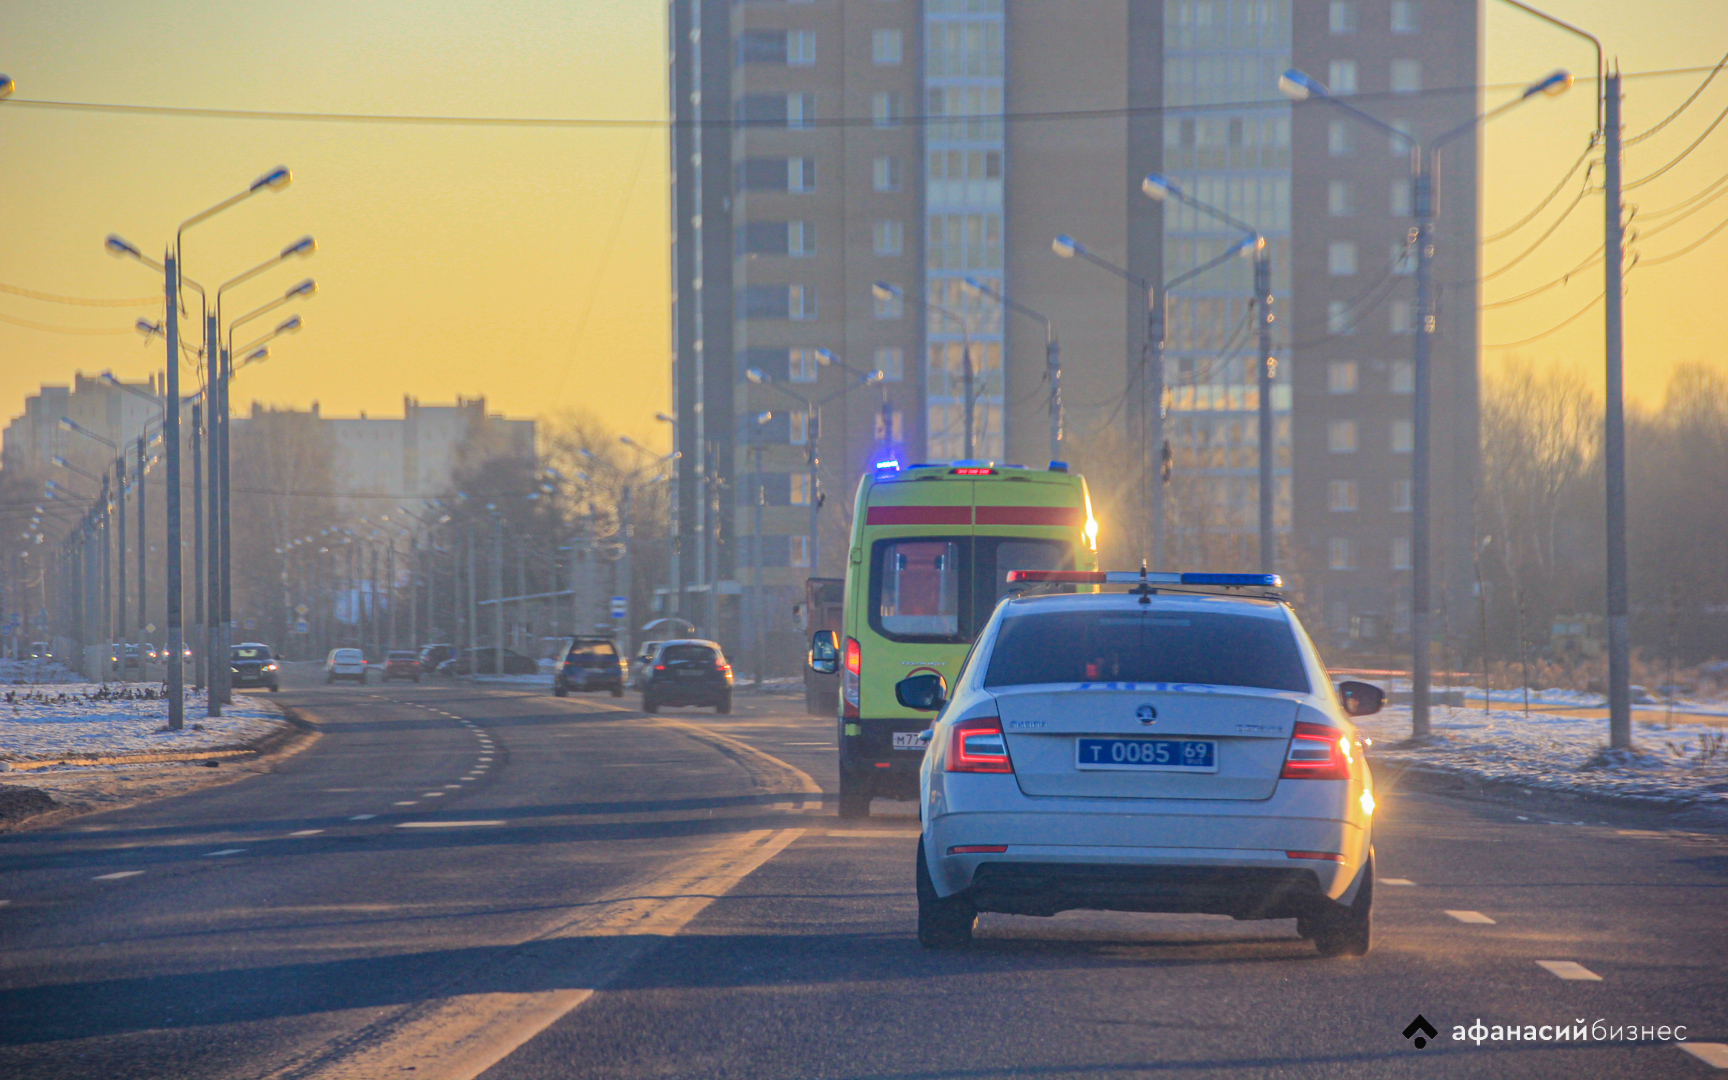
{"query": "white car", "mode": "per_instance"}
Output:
(345, 664)
(1151, 751)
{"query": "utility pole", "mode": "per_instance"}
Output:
(120, 562)
(1268, 445)
(213, 527)
(1152, 420)
(1614, 435)
(1421, 191)
(143, 548)
(497, 594)
(627, 532)
(756, 558)
(1053, 368)
(224, 671)
(473, 626)
(201, 653)
(966, 377)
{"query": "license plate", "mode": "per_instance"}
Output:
(907, 740)
(1147, 755)
(689, 674)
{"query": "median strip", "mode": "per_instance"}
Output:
(1569, 970)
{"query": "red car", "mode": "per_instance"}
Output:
(399, 664)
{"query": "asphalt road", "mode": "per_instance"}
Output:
(462, 881)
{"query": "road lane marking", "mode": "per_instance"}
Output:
(1713, 1054)
(1475, 917)
(452, 785)
(1394, 881)
(460, 1035)
(117, 875)
(485, 757)
(308, 832)
(224, 851)
(407, 802)
(3, 903)
(1570, 970)
(362, 817)
(443, 824)
(432, 795)
(874, 834)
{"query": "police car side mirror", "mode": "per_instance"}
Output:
(1360, 698)
(824, 652)
(924, 692)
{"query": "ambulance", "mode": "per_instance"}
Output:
(930, 552)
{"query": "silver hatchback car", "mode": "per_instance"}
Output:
(1152, 751)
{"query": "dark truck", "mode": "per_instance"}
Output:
(822, 609)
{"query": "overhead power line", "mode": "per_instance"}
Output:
(1531, 216)
(1684, 105)
(1520, 257)
(77, 330)
(1689, 200)
(1555, 329)
(83, 301)
(1681, 156)
(1689, 248)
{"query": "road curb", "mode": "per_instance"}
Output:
(1439, 781)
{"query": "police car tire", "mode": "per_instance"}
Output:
(1348, 930)
(942, 923)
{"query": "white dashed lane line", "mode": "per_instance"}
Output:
(224, 851)
(1570, 970)
(1713, 1054)
(444, 824)
(117, 875)
(306, 832)
(452, 785)
(406, 802)
(362, 817)
(1394, 881)
(1474, 917)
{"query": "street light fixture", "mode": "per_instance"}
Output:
(1052, 358)
(882, 290)
(1424, 162)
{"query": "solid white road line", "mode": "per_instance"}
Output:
(224, 851)
(117, 875)
(1568, 969)
(1712, 1054)
(3, 903)
(460, 1036)
(406, 802)
(1475, 917)
(443, 824)
(306, 832)
(1394, 881)
(452, 785)
(362, 817)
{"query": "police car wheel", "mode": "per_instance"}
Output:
(942, 923)
(1348, 931)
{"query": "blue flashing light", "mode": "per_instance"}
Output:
(1058, 466)
(1240, 581)
(889, 465)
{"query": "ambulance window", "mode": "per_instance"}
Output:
(1022, 555)
(920, 588)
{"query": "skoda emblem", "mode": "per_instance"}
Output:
(1146, 714)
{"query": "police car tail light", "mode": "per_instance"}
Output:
(978, 746)
(1317, 752)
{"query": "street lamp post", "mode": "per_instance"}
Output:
(1052, 359)
(117, 629)
(1424, 157)
(1149, 402)
(1160, 188)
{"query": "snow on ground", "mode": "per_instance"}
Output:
(35, 672)
(1683, 764)
(38, 723)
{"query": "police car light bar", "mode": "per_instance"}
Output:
(1136, 577)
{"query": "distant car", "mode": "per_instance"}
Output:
(252, 664)
(687, 672)
(345, 664)
(433, 655)
(642, 663)
(39, 650)
(400, 664)
(484, 662)
(130, 652)
(591, 663)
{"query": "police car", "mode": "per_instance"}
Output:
(1177, 747)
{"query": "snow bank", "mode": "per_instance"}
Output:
(36, 672)
(1687, 763)
(49, 722)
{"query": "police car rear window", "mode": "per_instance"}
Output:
(1154, 646)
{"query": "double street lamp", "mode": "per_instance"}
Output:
(1424, 161)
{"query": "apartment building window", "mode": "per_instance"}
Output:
(1403, 258)
(1400, 496)
(889, 305)
(1341, 553)
(1341, 258)
(1404, 17)
(777, 174)
(890, 237)
(801, 48)
(1399, 144)
(801, 302)
(762, 302)
(1403, 377)
(799, 489)
(885, 109)
(1399, 313)
(1341, 76)
(802, 365)
(885, 48)
(1338, 318)
(799, 549)
(1340, 138)
(1400, 198)
(1339, 202)
(798, 428)
(1403, 436)
(1341, 496)
(1406, 76)
(762, 47)
(1341, 377)
(800, 174)
(1341, 17)
(776, 110)
(801, 238)
(1400, 553)
(1341, 437)
(800, 110)
(891, 362)
(885, 173)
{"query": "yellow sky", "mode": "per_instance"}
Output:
(530, 265)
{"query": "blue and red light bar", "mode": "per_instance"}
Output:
(1137, 577)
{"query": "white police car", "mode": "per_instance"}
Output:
(1155, 750)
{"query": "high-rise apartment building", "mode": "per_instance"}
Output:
(823, 146)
